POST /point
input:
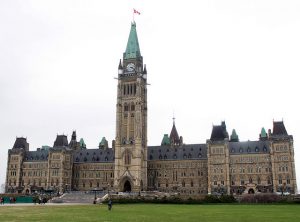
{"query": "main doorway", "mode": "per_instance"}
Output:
(127, 186)
(250, 191)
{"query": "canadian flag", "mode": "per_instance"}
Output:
(136, 12)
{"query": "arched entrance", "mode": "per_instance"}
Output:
(127, 186)
(250, 191)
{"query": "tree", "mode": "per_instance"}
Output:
(2, 188)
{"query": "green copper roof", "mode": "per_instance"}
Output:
(103, 142)
(263, 133)
(133, 48)
(45, 147)
(165, 140)
(234, 137)
(82, 144)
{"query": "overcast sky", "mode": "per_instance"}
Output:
(207, 61)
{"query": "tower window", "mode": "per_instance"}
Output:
(126, 108)
(132, 107)
(127, 158)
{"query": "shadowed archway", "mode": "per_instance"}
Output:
(127, 186)
(250, 191)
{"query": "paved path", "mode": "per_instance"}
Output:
(47, 204)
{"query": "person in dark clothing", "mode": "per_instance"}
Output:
(109, 205)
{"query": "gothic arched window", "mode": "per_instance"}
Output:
(127, 158)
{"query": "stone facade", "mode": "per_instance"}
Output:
(222, 165)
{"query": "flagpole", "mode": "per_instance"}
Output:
(133, 15)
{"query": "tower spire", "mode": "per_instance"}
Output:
(133, 47)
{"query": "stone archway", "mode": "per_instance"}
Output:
(250, 191)
(127, 186)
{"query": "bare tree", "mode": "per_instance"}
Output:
(2, 188)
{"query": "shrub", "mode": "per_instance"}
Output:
(261, 198)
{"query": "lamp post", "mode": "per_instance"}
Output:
(95, 197)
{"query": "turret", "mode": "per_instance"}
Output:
(21, 143)
(73, 143)
(82, 144)
(263, 134)
(174, 137)
(61, 141)
(219, 133)
(120, 68)
(103, 144)
(234, 137)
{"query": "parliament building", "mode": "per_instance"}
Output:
(221, 165)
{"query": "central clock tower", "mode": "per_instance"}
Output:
(130, 172)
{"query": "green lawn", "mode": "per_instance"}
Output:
(152, 212)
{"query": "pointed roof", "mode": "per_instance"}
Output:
(61, 140)
(166, 140)
(174, 138)
(234, 137)
(279, 129)
(120, 65)
(103, 143)
(74, 135)
(132, 48)
(145, 69)
(82, 144)
(263, 133)
(21, 142)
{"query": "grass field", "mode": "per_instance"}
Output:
(152, 212)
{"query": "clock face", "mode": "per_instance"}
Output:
(130, 67)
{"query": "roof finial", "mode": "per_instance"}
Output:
(173, 118)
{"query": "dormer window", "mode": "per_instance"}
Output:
(265, 148)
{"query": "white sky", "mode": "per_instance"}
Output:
(207, 61)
